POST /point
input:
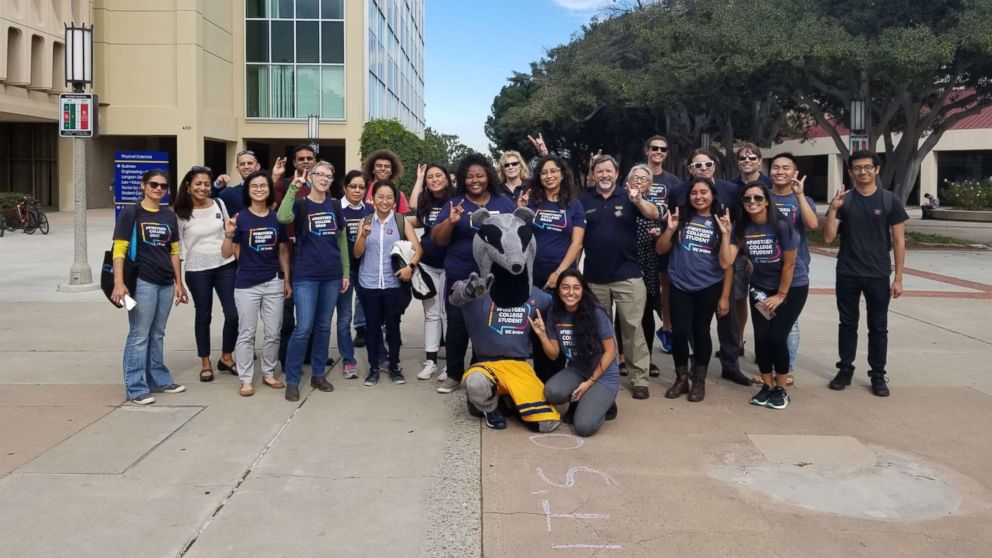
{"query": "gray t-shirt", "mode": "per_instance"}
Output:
(503, 333)
(561, 328)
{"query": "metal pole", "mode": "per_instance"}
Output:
(81, 274)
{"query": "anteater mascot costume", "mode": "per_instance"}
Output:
(498, 303)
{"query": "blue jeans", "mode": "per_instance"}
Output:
(315, 302)
(346, 345)
(793, 342)
(359, 311)
(144, 363)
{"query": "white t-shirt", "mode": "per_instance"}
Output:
(201, 237)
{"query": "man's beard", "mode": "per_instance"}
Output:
(604, 186)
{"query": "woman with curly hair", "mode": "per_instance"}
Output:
(579, 328)
(477, 188)
(383, 164)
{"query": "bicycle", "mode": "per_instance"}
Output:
(27, 217)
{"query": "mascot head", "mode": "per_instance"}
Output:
(505, 247)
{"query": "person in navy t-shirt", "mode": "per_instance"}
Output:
(353, 211)
(477, 188)
(662, 183)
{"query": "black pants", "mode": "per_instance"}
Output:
(877, 293)
(729, 337)
(202, 285)
(381, 309)
(692, 314)
(771, 337)
(456, 339)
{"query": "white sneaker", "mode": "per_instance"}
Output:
(448, 385)
(429, 369)
(443, 375)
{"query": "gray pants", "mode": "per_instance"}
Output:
(266, 300)
(590, 411)
(629, 296)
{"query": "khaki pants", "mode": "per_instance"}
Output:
(629, 296)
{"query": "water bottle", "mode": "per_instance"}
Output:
(759, 303)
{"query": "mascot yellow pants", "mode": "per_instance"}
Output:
(484, 382)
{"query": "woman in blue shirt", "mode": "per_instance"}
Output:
(579, 329)
(427, 204)
(260, 243)
(379, 286)
(701, 281)
(320, 272)
(779, 287)
(477, 185)
(354, 211)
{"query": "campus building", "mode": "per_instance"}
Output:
(202, 79)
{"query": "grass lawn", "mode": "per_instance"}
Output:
(913, 240)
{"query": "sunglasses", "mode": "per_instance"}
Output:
(511, 165)
(158, 185)
(753, 199)
(661, 148)
(701, 165)
(748, 158)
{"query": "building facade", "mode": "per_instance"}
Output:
(201, 80)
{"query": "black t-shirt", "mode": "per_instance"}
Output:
(610, 241)
(866, 235)
(155, 233)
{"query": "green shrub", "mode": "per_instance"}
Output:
(9, 200)
(970, 194)
(390, 134)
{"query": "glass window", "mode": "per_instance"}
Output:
(257, 41)
(282, 9)
(332, 42)
(333, 9)
(307, 42)
(257, 8)
(306, 9)
(257, 91)
(282, 41)
(307, 91)
(282, 92)
(333, 91)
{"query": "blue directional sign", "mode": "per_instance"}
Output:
(128, 168)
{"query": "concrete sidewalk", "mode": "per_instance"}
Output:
(404, 471)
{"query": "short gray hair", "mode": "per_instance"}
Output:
(638, 167)
(327, 164)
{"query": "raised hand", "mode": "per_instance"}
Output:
(838, 200)
(538, 143)
(231, 225)
(524, 198)
(421, 171)
(723, 221)
(300, 179)
(672, 219)
(366, 228)
(634, 193)
(477, 286)
(799, 186)
(593, 157)
(537, 324)
(457, 211)
(278, 169)
(222, 180)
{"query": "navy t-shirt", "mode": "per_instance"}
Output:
(317, 225)
(561, 328)
(789, 206)
(661, 185)
(156, 231)
(459, 262)
(695, 262)
(259, 238)
(433, 252)
(865, 233)
(353, 217)
(503, 332)
(610, 241)
(233, 199)
(764, 247)
(764, 178)
(553, 226)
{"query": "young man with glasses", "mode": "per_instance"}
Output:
(232, 196)
(655, 153)
(871, 222)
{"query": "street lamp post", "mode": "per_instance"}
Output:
(313, 136)
(79, 74)
(858, 113)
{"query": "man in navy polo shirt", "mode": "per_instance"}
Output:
(611, 266)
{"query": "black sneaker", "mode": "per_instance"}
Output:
(495, 420)
(879, 385)
(623, 368)
(777, 398)
(473, 410)
(569, 416)
(396, 376)
(174, 388)
(761, 398)
(372, 379)
(612, 412)
(144, 399)
(321, 383)
(654, 371)
(292, 392)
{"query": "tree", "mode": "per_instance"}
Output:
(449, 145)
(390, 134)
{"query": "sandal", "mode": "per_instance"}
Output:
(221, 365)
(206, 375)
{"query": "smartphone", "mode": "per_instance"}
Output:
(129, 303)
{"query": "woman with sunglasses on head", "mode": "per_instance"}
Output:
(201, 235)
(149, 231)
(321, 271)
(426, 205)
(698, 236)
(477, 188)
(379, 286)
(383, 164)
(261, 245)
(779, 287)
(559, 227)
(579, 329)
(514, 176)
(353, 210)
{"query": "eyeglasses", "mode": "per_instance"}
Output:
(321, 175)
(661, 148)
(753, 199)
(863, 168)
(258, 186)
(352, 185)
(640, 179)
(751, 158)
(158, 185)
(701, 165)
(511, 164)
(550, 172)
(200, 169)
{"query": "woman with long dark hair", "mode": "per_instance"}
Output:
(477, 188)
(201, 235)
(149, 231)
(579, 328)
(427, 204)
(698, 235)
(779, 287)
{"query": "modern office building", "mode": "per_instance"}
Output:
(201, 80)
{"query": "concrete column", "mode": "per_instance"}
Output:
(65, 164)
(835, 174)
(928, 175)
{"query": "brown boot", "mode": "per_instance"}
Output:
(681, 385)
(698, 390)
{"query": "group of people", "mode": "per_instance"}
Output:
(289, 248)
